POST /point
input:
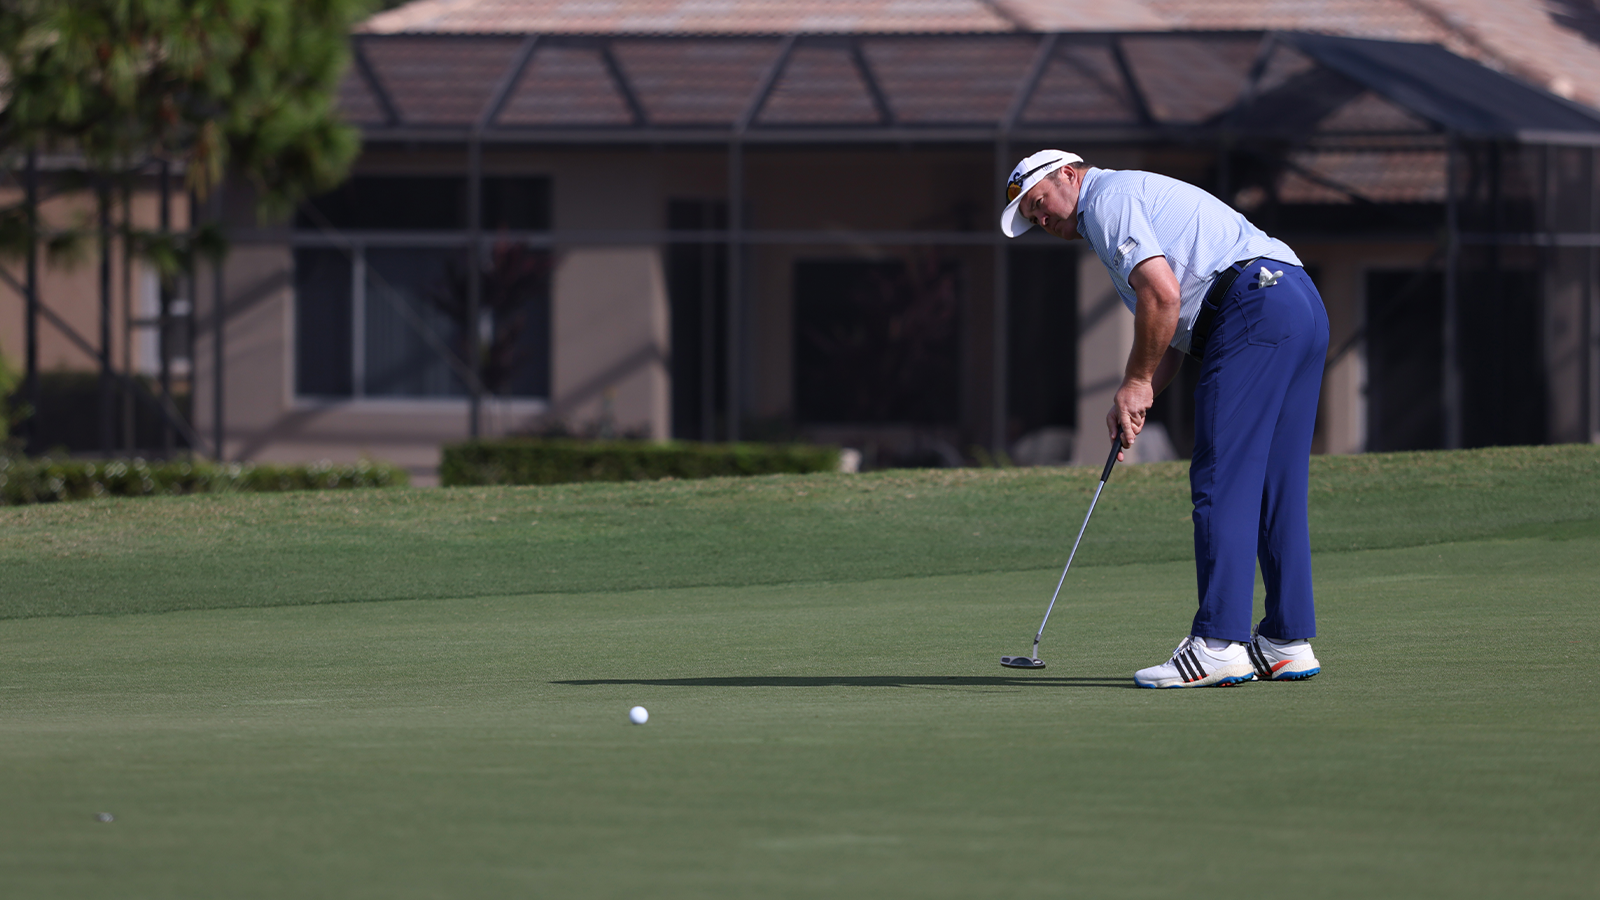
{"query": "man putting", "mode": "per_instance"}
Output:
(1200, 279)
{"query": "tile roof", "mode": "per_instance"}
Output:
(964, 79)
(820, 85)
(1552, 43)
(1065, 86)
(1396, 20)
(691, 16)
(1081, 83)
(566, 85)
(696, 83)
(440, 81)
(1190, 79)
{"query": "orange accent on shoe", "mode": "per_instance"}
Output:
(1279, 664)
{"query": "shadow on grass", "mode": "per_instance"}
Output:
(873, 681)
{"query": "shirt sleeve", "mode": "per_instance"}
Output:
(1120, 225)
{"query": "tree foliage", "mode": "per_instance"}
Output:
(217, 85)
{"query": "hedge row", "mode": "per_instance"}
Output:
(47, 480)
(538, 461)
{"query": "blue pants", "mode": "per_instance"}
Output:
(1255, 411)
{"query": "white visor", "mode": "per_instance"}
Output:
(1032, 170)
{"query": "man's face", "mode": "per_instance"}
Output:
(1052, 204)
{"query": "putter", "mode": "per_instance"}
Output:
(1033, 661)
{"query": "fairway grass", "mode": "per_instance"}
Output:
(833, 735)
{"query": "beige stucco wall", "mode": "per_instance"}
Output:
(1565, 338)
(70, 286)
(610, 338)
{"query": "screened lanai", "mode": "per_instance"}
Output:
(762, 144)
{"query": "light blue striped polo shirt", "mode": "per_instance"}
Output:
(1129, 216)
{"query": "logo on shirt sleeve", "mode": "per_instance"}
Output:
(1123, 249)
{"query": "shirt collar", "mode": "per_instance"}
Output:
(1089, 178)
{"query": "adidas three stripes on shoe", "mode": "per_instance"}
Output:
(1194, 664)
(1282, 660)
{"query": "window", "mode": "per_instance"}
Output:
(384, 320)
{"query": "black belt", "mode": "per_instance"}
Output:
(1207, 319)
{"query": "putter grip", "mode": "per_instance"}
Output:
(1116, 445)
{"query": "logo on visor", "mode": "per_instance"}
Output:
(1014, 186)
(1018, 179)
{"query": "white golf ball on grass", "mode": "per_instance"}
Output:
(638, 715)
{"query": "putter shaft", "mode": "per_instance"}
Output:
(1063, 579)
(1116, 445)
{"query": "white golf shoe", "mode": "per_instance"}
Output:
(1194, 664)
(1282, 660)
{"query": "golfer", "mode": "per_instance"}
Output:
(1200, 279)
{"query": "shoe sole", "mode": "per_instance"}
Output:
(1230, 681)
(1296, 676)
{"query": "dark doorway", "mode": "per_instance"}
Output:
(1502, 378)
(876, 340)
(1405, 360)
(1042, 368)
(697, 288)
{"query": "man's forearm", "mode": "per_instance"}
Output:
(1155, 321)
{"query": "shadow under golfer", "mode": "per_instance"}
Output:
(867, 681)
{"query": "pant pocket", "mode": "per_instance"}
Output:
(1267, 314)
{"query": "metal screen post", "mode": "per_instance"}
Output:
(191, 319)
(31, 390)
(130, 422)
(358, 321)
(164, 317)
(219, 310)
(1452, 262)
(1002, 319)
(708, 328)
(1592, 308)
(107, 402)
(474, 278)
(735, 279)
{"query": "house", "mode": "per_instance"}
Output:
(776, 219)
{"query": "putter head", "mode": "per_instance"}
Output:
(1022, 662)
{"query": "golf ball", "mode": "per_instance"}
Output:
(638, 715)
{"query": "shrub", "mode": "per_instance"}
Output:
(532, 461)
(46, 479)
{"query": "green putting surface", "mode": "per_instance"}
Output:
(832, 735)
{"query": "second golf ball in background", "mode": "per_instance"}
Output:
(638, 715)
